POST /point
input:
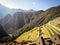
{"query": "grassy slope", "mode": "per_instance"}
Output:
(43, 18)
(56, 21)
(30, 35)
(47, 29)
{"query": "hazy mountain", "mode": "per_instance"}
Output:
(18, 20)
(5, 10)
(6, 19)
(30, 10)
(26, 20)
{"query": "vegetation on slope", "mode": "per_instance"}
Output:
(47, 30)
(43, 18)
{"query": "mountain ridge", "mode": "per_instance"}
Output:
(5, 10)
(27, 20)
(45, 17)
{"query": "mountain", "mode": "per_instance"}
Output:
(26, 25)
(5, 10)
(18, 20)
(6, 19)
(30, 10)
(22, 21)
(2, 32)
(48, 23)
(48, 30)
(43, 18)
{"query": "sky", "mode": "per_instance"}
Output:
(30, 4)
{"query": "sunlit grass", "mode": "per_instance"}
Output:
(47, 30)
(46, 33)
(30, 35)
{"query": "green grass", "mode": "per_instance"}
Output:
(54, 31)
(49, 31)
(32, 35)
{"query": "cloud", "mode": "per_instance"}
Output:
(34, 3)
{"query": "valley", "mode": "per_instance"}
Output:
(30, 26)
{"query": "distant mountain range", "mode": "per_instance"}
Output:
(18, 20)
(21, 20)
(5, 10)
